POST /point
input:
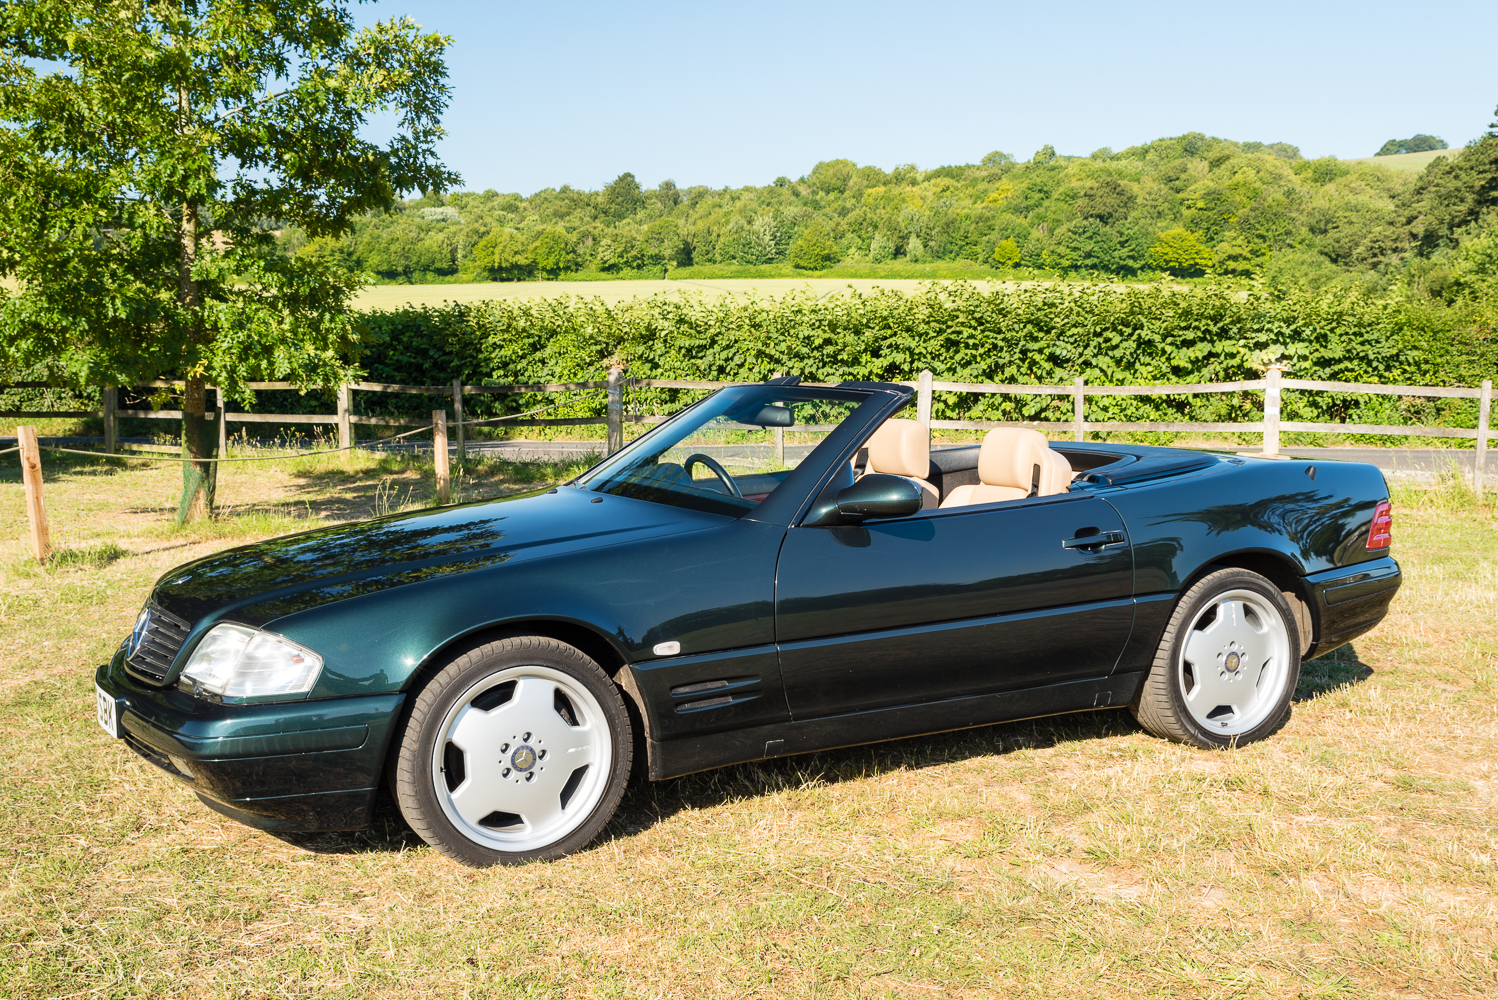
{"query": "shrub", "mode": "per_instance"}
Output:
(1006, 253)
(814, 249)
(1180, 252)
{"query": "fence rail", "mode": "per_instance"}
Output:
(1272, 385)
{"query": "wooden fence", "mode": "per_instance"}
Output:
(1271, 426)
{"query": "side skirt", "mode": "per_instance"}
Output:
(673, 758)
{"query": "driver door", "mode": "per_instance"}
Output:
(951, 603)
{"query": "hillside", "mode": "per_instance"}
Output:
(1182, 206)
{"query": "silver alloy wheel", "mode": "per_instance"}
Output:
(1234, 663)
(523, 759)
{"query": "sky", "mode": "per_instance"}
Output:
(546, 94)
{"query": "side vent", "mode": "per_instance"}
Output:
(682, 689)
(733, 690)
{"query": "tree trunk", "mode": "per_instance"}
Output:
(199, 479)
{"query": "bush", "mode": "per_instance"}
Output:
(1031, 335)
(1180, 252)
(814, 249)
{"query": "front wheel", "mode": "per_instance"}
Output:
(516, 751)
(1227, 664)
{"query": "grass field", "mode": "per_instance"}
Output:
(1354, 855)
(1414, 162)
(614, 291)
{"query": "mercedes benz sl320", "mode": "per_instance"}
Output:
(777, 569)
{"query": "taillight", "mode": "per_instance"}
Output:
(1381, 533)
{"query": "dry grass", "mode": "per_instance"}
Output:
(1353, 855)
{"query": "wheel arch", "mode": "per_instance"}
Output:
(589, 639)
(1280, 570)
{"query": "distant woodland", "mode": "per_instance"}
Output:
(1190, 205)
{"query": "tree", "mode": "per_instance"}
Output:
(504, 255)
(1414, 144)
(1180, 252)
(144, 151)
(622, 198)
(553, 252)
(814, 249)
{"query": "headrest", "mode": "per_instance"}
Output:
(901, 448)
(1009, 456)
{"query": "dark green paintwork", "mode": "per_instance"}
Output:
(981, 610)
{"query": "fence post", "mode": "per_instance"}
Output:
(616, 410)
(1484, 410)
(345, 425)
(458, 418)
(779, 434)
(223, 423)
(1079, 429)
(439, 455)
(36, 510)
(923, 398)
(1272, 376)
(111, 419)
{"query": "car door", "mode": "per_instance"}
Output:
(951, 603)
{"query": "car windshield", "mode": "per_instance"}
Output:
(729, 452)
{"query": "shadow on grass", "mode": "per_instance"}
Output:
(647, 803)
(1340, 668)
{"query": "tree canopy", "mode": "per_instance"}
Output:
(1249, 208)
(150, 152)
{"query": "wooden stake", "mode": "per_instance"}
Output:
(345, 425)
(923, 397)
(36, 510)
(458, 417)
(1484, 411)
(615, 410)
(439, 455)
(1078, 410)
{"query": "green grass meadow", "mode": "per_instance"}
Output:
(1353, 855)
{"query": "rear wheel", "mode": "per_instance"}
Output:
(516, 751)
(1227, 665)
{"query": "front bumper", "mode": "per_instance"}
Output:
(1350, 600)
(293, 767)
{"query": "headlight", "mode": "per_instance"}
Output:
(240, 663)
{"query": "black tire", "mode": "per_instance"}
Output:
(457, 755)
(1220, 695)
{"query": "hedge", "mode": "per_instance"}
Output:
(1045, 334)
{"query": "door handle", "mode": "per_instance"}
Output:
(1093, 543)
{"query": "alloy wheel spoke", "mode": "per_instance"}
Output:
(477, 732)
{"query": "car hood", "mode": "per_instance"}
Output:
(255, 583)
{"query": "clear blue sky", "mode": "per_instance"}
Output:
(731, 94)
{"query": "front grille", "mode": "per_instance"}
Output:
(161, 637)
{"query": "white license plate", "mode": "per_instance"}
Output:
(108, 712)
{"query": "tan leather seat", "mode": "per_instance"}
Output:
(1014, 463)
(903, 448)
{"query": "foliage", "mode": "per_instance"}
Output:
(814, 249)
(146, 154)
(1029, 335)
(1414, 144)
(1256, 208)
(1180, 252)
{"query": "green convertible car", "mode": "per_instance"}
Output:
(777, 569)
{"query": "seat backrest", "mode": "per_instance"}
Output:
(1014, 463)
(1014, 457)
(903, 448)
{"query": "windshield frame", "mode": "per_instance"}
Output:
(785, 501)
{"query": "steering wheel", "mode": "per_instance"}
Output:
(714, 468)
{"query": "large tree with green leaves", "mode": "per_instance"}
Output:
(149, 152)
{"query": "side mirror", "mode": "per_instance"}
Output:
(875, 495)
